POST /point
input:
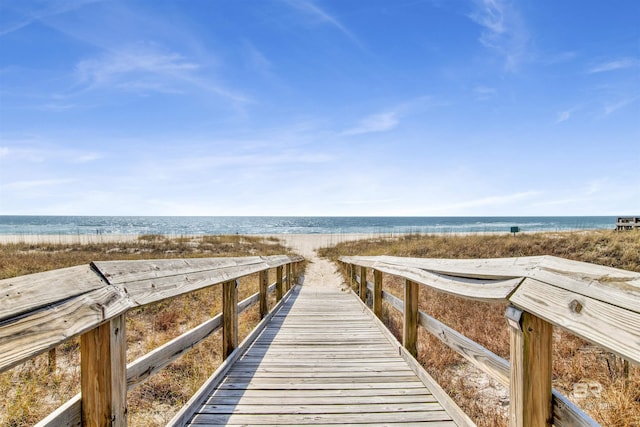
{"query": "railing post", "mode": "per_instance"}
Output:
(288, 287)
(410, 324)
(363, 284)
(377, 293)
(229, 317)
(264, 287)
(52, 360)
(103, 374)
(278, 283)
(531, 369)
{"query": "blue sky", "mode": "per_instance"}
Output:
(326, 107)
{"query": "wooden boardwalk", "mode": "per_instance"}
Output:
(321, 360)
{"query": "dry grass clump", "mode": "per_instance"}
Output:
(614, 402)
(30, 391)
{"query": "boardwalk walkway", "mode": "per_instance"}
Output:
(321, 360)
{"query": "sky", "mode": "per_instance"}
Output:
(320, 107)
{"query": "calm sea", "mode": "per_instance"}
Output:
(180, 225)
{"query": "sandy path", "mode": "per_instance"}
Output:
(320, 272)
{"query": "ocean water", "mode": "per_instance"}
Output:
(181, 225)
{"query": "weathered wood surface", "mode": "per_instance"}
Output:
(321, 360)
(600, 304)
(40, 311)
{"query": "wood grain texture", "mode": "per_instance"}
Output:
(279, 290)
(377, 293)
(103, 374)
(263, 280)
(531, 369)
(321, 360)
(229, 317)
(611, 327)
(410, 319)
(43, 310)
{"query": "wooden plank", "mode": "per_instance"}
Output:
(314, 400)
(614, 328)
(187, 411)
(279, 291)
(566, 414)
(302, 419)
(148, 365)
(410, 319)
(377, 293)
(67, 415)
(26, 336)
(103, 374)
(530, 386)
(473, 352)
(461, 419)
(297, 409)
(363, 283)
(26, 294)
(288, 277)
(264, 285)
(229, 317)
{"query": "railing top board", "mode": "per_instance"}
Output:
(39, 311)
(600, 304)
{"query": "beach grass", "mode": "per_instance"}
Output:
(615, 400)
(32, 390)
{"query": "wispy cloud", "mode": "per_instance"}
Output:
(313, 10)
(564, 115)
(617, 64)
(4, 152)
(612, 107)
(17, 15)
(381, 122)
(482, 93)
(117, 65)
(503, 30)
(148, 68)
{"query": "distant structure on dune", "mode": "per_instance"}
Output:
(628, 223)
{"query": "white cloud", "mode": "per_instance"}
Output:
(564, 115)
(612, 107)
(375, 123)
(4, 152)
(126, 62)
(149, 68)
(315, 11)
(617, 64)
(504, 31)
(20, 14)
(483, 93)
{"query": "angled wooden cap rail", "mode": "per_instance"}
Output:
(40, 311)
(599, 304)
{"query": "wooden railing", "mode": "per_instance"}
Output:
(598, 304)
(40, 311)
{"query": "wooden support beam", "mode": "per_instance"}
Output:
(229, 317)
(377, 293)
(279, 292)
(52, 360)
(103, 378)
(264, 285)
(410, 323)
(288, 277)
(363, 284)
(531, 368)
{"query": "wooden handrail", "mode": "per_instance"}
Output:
(599, 304)
(43, 310)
